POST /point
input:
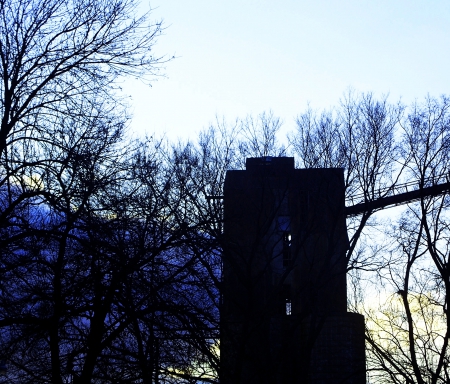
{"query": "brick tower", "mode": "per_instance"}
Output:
(284, 312)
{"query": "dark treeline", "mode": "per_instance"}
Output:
(110, 248)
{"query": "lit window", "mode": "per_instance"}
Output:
(287, 249)
(286, 294)
(288, 307)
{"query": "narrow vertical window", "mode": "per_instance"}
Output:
(287, 254)
(286, 295)
(288, 307)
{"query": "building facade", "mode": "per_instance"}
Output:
(284, 312)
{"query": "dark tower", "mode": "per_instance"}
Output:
(284, 312)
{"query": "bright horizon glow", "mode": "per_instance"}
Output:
(237, 58)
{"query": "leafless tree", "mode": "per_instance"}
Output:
(408, 334)
(56, 50)
(359, 136)
(61, 59)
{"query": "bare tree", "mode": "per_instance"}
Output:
(46, 272)
(359, 136)
(59, 63)
(62, 164)
(56, 50)
(408, 335)
(259, 136)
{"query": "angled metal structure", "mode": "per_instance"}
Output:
(402, 194)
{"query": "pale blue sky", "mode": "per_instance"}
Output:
(243, 57)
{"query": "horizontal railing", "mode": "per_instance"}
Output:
(399, 194)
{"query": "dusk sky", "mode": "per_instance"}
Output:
(235, 58)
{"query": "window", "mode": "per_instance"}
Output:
(286, 295)
(287, 254)
(288, 307)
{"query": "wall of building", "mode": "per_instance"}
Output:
(283, 315)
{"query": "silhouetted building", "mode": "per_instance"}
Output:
(284, 312)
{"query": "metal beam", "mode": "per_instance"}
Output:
(402, 198)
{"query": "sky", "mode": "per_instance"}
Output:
(242, 57)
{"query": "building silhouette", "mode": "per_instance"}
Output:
(284, 312)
